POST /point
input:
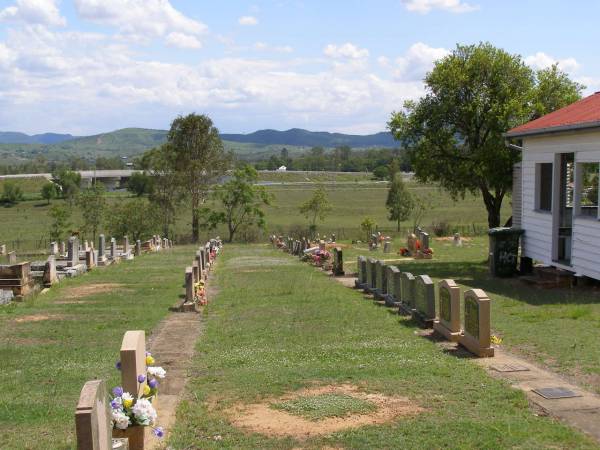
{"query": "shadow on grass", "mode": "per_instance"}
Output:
(476, 275)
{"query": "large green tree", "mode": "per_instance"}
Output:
(198, 157)
(316, 208)
(454, 134)
(92, 205)
(241, 202)
(399, 201)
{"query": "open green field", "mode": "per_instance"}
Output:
(52, 344)
(277, 326)
(27, 223)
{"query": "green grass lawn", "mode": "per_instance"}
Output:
(556, 328)
(45, 363)
(277, 325)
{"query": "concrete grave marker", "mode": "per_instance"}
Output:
(477, 318)
(370, 275)
(361, 267)
(93, 418)
(50, 277)
(89, 259)
(138, 248)
(189, 284)
(387, 247)
(101, 250)
(407, 304)
(393, 278)
(338, 262)
(448, 321)
(113, 248)
(378, 288)
(53, 248)
(12, 257)
(63, 248)
(196, 271)
(424, 301)
(2, 249)
(133, 362)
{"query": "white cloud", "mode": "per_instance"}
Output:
(263, 47)
(425, 6)
(418, 60)
(139, 19)
(542, 60)
(183, 40)
(248, 20)
(347, 50)
(44, 12)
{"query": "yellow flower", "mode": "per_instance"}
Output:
(127, 403)
(146, 389)
(149, 360)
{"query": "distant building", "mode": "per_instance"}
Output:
(282, 169)
(555, 187)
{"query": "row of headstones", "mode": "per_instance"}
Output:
(93, 424)
(416, 296)
(198, 271)
(422, 250)
(297, 247)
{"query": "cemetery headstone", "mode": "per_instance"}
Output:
(189, 285)
(63, 248)
(73, 252)
(361, 265)
(12, 257)
(448, 320)
(338, 265)
(126, 247)
(392, 279)
(101, 250)
(407, 304)
(2, 249)
(477, 321)
(196, 271)
(89, 259)
(53, 248)
(370, 275)
(113, 249)
(93, 418)
(387, 247)
(138, 248)
(411, 244)
(50, 271)
(424, 310)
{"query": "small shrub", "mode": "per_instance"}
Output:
(441, 228)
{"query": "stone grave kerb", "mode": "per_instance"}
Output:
(133, 361)
(448, 319)
(92, 417)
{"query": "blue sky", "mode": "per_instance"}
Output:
(89, 66)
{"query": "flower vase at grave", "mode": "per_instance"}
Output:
(134, 434)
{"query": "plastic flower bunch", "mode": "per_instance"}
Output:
(128, 411)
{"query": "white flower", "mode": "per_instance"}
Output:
(144, 412)
(120, 420)
(127, 396)
(157, 371)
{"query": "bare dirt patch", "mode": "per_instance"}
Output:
(262, 418)
(90, 289)
(451, 238)
(38, 318)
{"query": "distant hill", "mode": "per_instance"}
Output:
(13, 137)
(305, 138)
(17, 147)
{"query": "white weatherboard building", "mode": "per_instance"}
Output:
(555, 193)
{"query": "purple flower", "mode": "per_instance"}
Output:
(148, 354)
(118, 391)
(153, 383)
(115, 404)
(159, 432)
(118, 365)
(141, 378)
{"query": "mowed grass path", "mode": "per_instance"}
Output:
(277, 325)
(44, 363)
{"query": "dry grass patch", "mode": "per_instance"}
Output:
(297, 414)
(90, 289)
(38, 318)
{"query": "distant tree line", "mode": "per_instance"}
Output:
(340, 159)
(41, 165)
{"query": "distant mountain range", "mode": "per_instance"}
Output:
(17, 147)
(14, 137)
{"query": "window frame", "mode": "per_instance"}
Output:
(538, 188)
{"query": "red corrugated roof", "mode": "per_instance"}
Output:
(581, 114)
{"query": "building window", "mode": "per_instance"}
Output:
(543, 186)
(588, 189)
